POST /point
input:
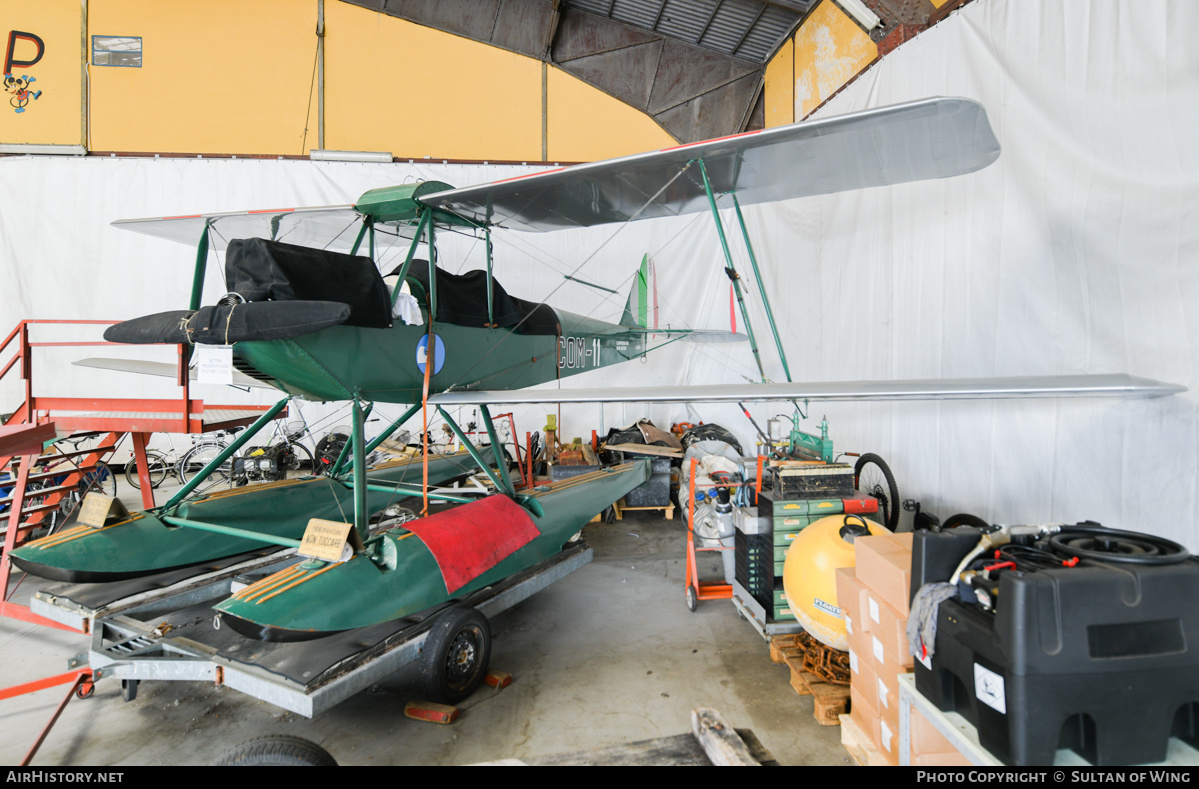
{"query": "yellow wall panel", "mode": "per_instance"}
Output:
(51, 106)
(830, 50)
(394, 86)
(585, 124)
(779, 88)
(237, 77)
(221, 76)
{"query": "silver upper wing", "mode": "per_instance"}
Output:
(1117, 385)
(330, 227)
(919, 140)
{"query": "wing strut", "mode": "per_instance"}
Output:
(753, 261)
(362, 514)
(731, 269)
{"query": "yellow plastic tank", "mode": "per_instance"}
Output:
(809, 574)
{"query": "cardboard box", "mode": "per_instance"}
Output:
(929, 747)
(861, 703)
(888, 741)
(884, 565)
(888, 631)
(850, 595)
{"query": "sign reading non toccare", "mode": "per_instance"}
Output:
(326, 540)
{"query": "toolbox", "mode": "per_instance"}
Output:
(804, 480)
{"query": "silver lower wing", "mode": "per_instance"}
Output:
(1118, 385)
(162, 370)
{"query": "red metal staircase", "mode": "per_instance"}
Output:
(38, 483)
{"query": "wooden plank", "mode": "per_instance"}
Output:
(722, 745)
(644, 449)
(681, 750)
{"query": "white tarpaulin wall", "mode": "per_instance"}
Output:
(1074, 253)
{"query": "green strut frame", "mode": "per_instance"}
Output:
(736, 279)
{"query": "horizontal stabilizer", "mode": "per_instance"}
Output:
(704, 336)
(947, 389)
(162, 370)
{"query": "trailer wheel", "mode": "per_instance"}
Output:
(455, 656)
(277, 751)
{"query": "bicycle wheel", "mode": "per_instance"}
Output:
(296, 461)
(156, 468)
(197, 458)
(872, 476)
(100, 479)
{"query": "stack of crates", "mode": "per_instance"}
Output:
(873, 597)
(761, 543)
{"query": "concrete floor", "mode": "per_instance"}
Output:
(607, 656)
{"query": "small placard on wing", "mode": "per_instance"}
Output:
(327, 540)
(98, 508)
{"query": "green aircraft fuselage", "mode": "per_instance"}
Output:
(387, 365)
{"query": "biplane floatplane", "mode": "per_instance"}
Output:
(324, 325)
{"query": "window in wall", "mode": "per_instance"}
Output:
(117, 51)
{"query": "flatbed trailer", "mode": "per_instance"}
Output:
(162, 628)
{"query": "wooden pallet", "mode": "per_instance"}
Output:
(831, 700)
(620, 507)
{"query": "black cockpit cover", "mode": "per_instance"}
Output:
(462, 300)
(259, 270)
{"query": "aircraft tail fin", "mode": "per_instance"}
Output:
(643, 297)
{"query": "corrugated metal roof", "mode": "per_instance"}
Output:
(747, 29)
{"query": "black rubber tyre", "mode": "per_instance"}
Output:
(455, 656)
(156, 467)
(692, 599)
(328, 449)
(297, 461)
(872, 476)
(964, 519)
(277, 751)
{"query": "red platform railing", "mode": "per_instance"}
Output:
(139, 417)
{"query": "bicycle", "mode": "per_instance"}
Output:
(284, 458)
(205, 450)
(160, 464)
